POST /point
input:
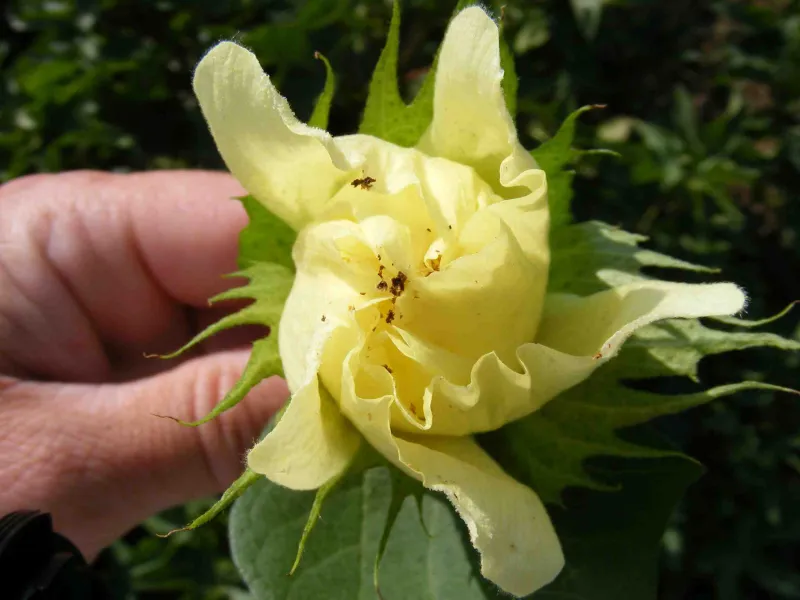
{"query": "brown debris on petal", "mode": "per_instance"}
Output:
(388, 368)
(390, 316)
(382, 285)
(399, 284)
(364, 183)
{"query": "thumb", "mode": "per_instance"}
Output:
(101, 462)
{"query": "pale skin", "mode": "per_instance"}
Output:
(97, 270)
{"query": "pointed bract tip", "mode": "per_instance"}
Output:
(164, 536)
(171, 419)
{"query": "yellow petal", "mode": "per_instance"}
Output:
(471, 123)
(527, 216)
(498, 393)
(507, 522)
(486, 301)
(576, 336)
(450, 192)
(370, 415)
(311, 444)
(333, 267)
(597, 325)
(291, 168)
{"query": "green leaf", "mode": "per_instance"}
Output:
(556, 153)
(267, 522)
(548, 449)
(269, 286)
(403, 487)
(386, 115)
(322, 108)
(430, 557)
(266, 238)
(552, 157)
(592, 256)
(583, 421)
(612, 540)
(431, 561)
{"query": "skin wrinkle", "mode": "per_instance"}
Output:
(44, 245)
(39, 220)
(123, 339)
(8, 365)
(207, 394)
(92, 359)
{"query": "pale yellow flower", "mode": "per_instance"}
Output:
(419, 313)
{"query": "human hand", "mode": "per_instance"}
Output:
(95, 271)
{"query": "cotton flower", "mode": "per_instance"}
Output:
(419, 315)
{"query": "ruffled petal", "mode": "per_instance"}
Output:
(497, 393)
(597, 325)
(311, 444)
(471, 123)
(576, 336)
(366, 397)
(507, 522)
(291, 168)
(334, 267)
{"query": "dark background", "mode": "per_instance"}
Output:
(703, 103)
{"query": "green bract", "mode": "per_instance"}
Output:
(432, 302)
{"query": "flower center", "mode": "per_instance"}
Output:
(432, 261)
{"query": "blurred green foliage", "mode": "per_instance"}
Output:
(703, 106)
